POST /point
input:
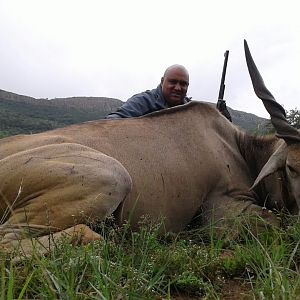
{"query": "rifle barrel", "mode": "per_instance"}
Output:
(222, 85)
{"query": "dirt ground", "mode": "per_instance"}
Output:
(232, 290)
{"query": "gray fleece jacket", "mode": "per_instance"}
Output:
(142, 104)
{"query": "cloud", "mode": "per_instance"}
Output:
(114, 48)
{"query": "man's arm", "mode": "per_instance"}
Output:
(134, 107)
(139, 105)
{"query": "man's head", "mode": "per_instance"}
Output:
(175, 84)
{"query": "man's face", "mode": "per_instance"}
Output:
(175, 85)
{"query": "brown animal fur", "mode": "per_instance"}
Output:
(147, 165)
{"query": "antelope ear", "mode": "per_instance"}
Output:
(276, 161)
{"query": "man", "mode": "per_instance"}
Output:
(170, 92)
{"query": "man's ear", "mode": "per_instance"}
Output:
(162, 80)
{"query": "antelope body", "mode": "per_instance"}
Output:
(169, 164)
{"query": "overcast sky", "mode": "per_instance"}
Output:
(110, 48)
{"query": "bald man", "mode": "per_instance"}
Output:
(170, 92)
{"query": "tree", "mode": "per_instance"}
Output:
(293, 117)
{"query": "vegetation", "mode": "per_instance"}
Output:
(249, 122)
(145, 265)
(293, 116)
(25, 115)
(26, 118)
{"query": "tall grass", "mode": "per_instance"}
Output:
(146, 265)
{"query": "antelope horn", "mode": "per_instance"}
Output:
(278, 118)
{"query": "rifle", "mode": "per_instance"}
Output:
(222, 85)
(221, 104)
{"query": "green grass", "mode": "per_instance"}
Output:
(146, 265)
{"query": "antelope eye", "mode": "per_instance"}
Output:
(292, 171)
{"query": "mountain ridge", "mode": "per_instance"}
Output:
(20, 114)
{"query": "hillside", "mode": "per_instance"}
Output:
(23, 114)
(247, 121)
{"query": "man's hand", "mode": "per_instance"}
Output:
(221, 106)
